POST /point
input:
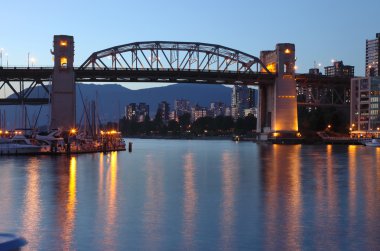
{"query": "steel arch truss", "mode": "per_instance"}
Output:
(28, 92)
(174, 56)
(317, 91)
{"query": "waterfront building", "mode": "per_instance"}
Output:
(173, 116)
(365, 107)
(143, 112)
(240, 100)
(198, 112)
(314, 71)
(252, 97)
(227, 112)
(372, 49)
(338, 69)
(130, 112)
(134, 112)
(165, 111)
(217, 109)
(250, 111)
(181, 106)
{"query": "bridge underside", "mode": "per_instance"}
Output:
(170, 76)
(22, 81)
(323, 91)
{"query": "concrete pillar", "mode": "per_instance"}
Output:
(279, 108)
(63, 97)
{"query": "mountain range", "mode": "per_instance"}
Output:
(112, 99)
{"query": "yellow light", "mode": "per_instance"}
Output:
(350, 129)
(378, 128)
(63, 61)
(271, 67)
(1, 132)
(6, 132)
(63, 43)
(299, 135)
(276, 134)
(329, 126)
(73, 131)
(287, 51)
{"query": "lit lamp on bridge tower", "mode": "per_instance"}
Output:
(63, 112)
(278, 102)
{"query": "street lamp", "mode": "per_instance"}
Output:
(32, 60)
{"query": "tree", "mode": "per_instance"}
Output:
(173, 126)
(184, 121)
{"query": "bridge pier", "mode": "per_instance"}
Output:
(278, 102)
(63, 97)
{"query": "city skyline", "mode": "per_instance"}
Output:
(334, 33)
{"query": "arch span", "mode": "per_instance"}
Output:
(175, 56)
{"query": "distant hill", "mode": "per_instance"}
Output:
(112, 99)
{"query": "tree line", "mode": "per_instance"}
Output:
(205, 126)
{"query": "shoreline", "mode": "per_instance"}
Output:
(314, 141)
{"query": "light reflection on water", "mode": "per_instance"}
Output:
(229, 178)
(190, 202)
(110, 228)
(153, 212)
(196, 195)
(31, 217)
(282, 200)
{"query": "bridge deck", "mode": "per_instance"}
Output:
(141, 75)
(42, 74)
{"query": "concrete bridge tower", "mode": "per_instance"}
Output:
(63, 98)
(278, 103)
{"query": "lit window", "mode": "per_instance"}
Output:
(63, 62)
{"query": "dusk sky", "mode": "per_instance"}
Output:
(321, 30)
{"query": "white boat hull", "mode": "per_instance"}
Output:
(373, 142)
(11, 149)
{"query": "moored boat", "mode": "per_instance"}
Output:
(19, 144)
(373, 142)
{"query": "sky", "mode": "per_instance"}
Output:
(321, 30)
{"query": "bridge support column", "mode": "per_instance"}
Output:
(278, 103)
(63, 97)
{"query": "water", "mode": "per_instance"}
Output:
(196, 195)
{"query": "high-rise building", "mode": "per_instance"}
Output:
(338, 69)
(181, 106)
(250, 111)
(372, 49)
(198, 112)
(228, 112)
(252, 98)
(143, 112)
(217, 109)
(165, 111)
(365, 106)
(138, 112)
(130, 112)
(241, 99)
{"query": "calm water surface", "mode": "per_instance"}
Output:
(196, 195)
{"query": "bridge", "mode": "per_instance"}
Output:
(161, 61)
